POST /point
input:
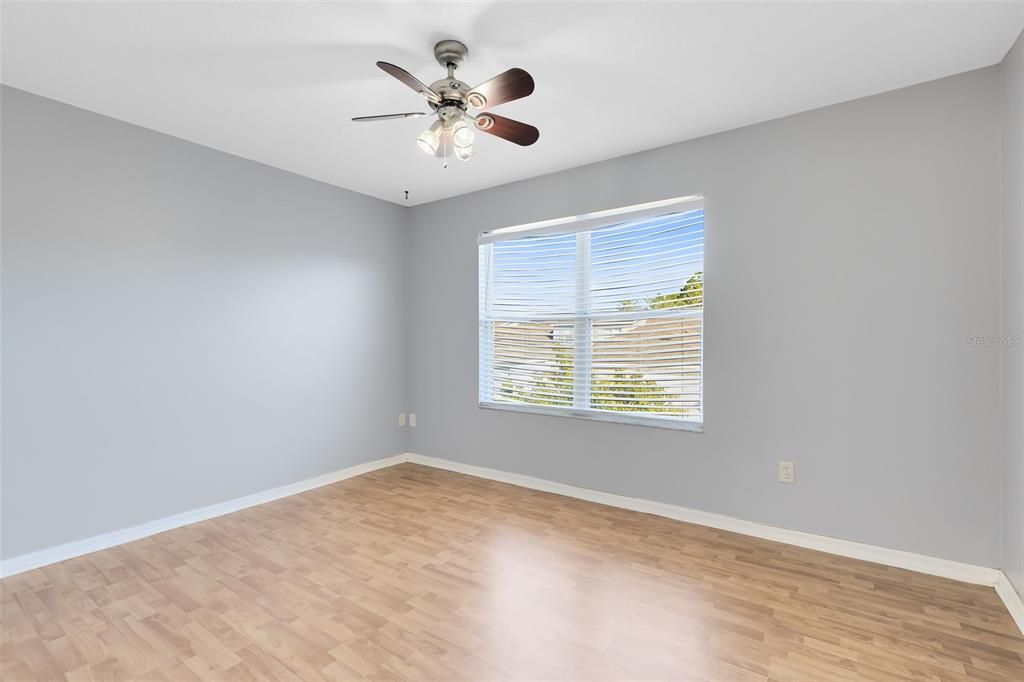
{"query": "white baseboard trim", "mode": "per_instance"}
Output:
(70, 550)
(920, 563)
(943, 568)
(1012, 598)
(969, 573)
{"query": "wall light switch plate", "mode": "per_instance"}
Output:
(401, 419)
(412, 419)
(787, 472)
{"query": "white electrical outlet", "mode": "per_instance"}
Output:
(412, 419)
(787, 472)
(401, 419)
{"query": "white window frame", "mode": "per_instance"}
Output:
(582, 225)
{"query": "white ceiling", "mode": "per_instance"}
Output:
(278, 82)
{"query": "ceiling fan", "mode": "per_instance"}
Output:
(451, 100)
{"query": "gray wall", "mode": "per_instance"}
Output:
(1013, 313)
(181, 326)
(851, 253)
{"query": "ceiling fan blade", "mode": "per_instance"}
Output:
(521, 133)
(387, 117)
(410, 80)
(505, 87)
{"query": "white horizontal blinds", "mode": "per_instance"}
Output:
(533, 363)
(647, 305)
(644, 264)
(605, 319)
(486, 303)
(530, 314)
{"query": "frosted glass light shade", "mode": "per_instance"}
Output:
(430, 138)
(462, 134)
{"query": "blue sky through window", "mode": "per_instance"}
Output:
(630, 262)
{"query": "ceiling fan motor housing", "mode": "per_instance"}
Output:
(451, 90)
(448, 112)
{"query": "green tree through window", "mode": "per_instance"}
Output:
(690, 294)
(607, 391)
(544, 388)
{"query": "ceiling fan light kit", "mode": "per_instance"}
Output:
(451, 100)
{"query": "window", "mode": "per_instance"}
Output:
(598, 316)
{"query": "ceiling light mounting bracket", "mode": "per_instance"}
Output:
(451, 54)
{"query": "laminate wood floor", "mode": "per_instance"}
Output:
(422, 574)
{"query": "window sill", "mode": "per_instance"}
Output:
(597, 415)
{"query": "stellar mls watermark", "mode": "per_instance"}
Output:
(1009, 341)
